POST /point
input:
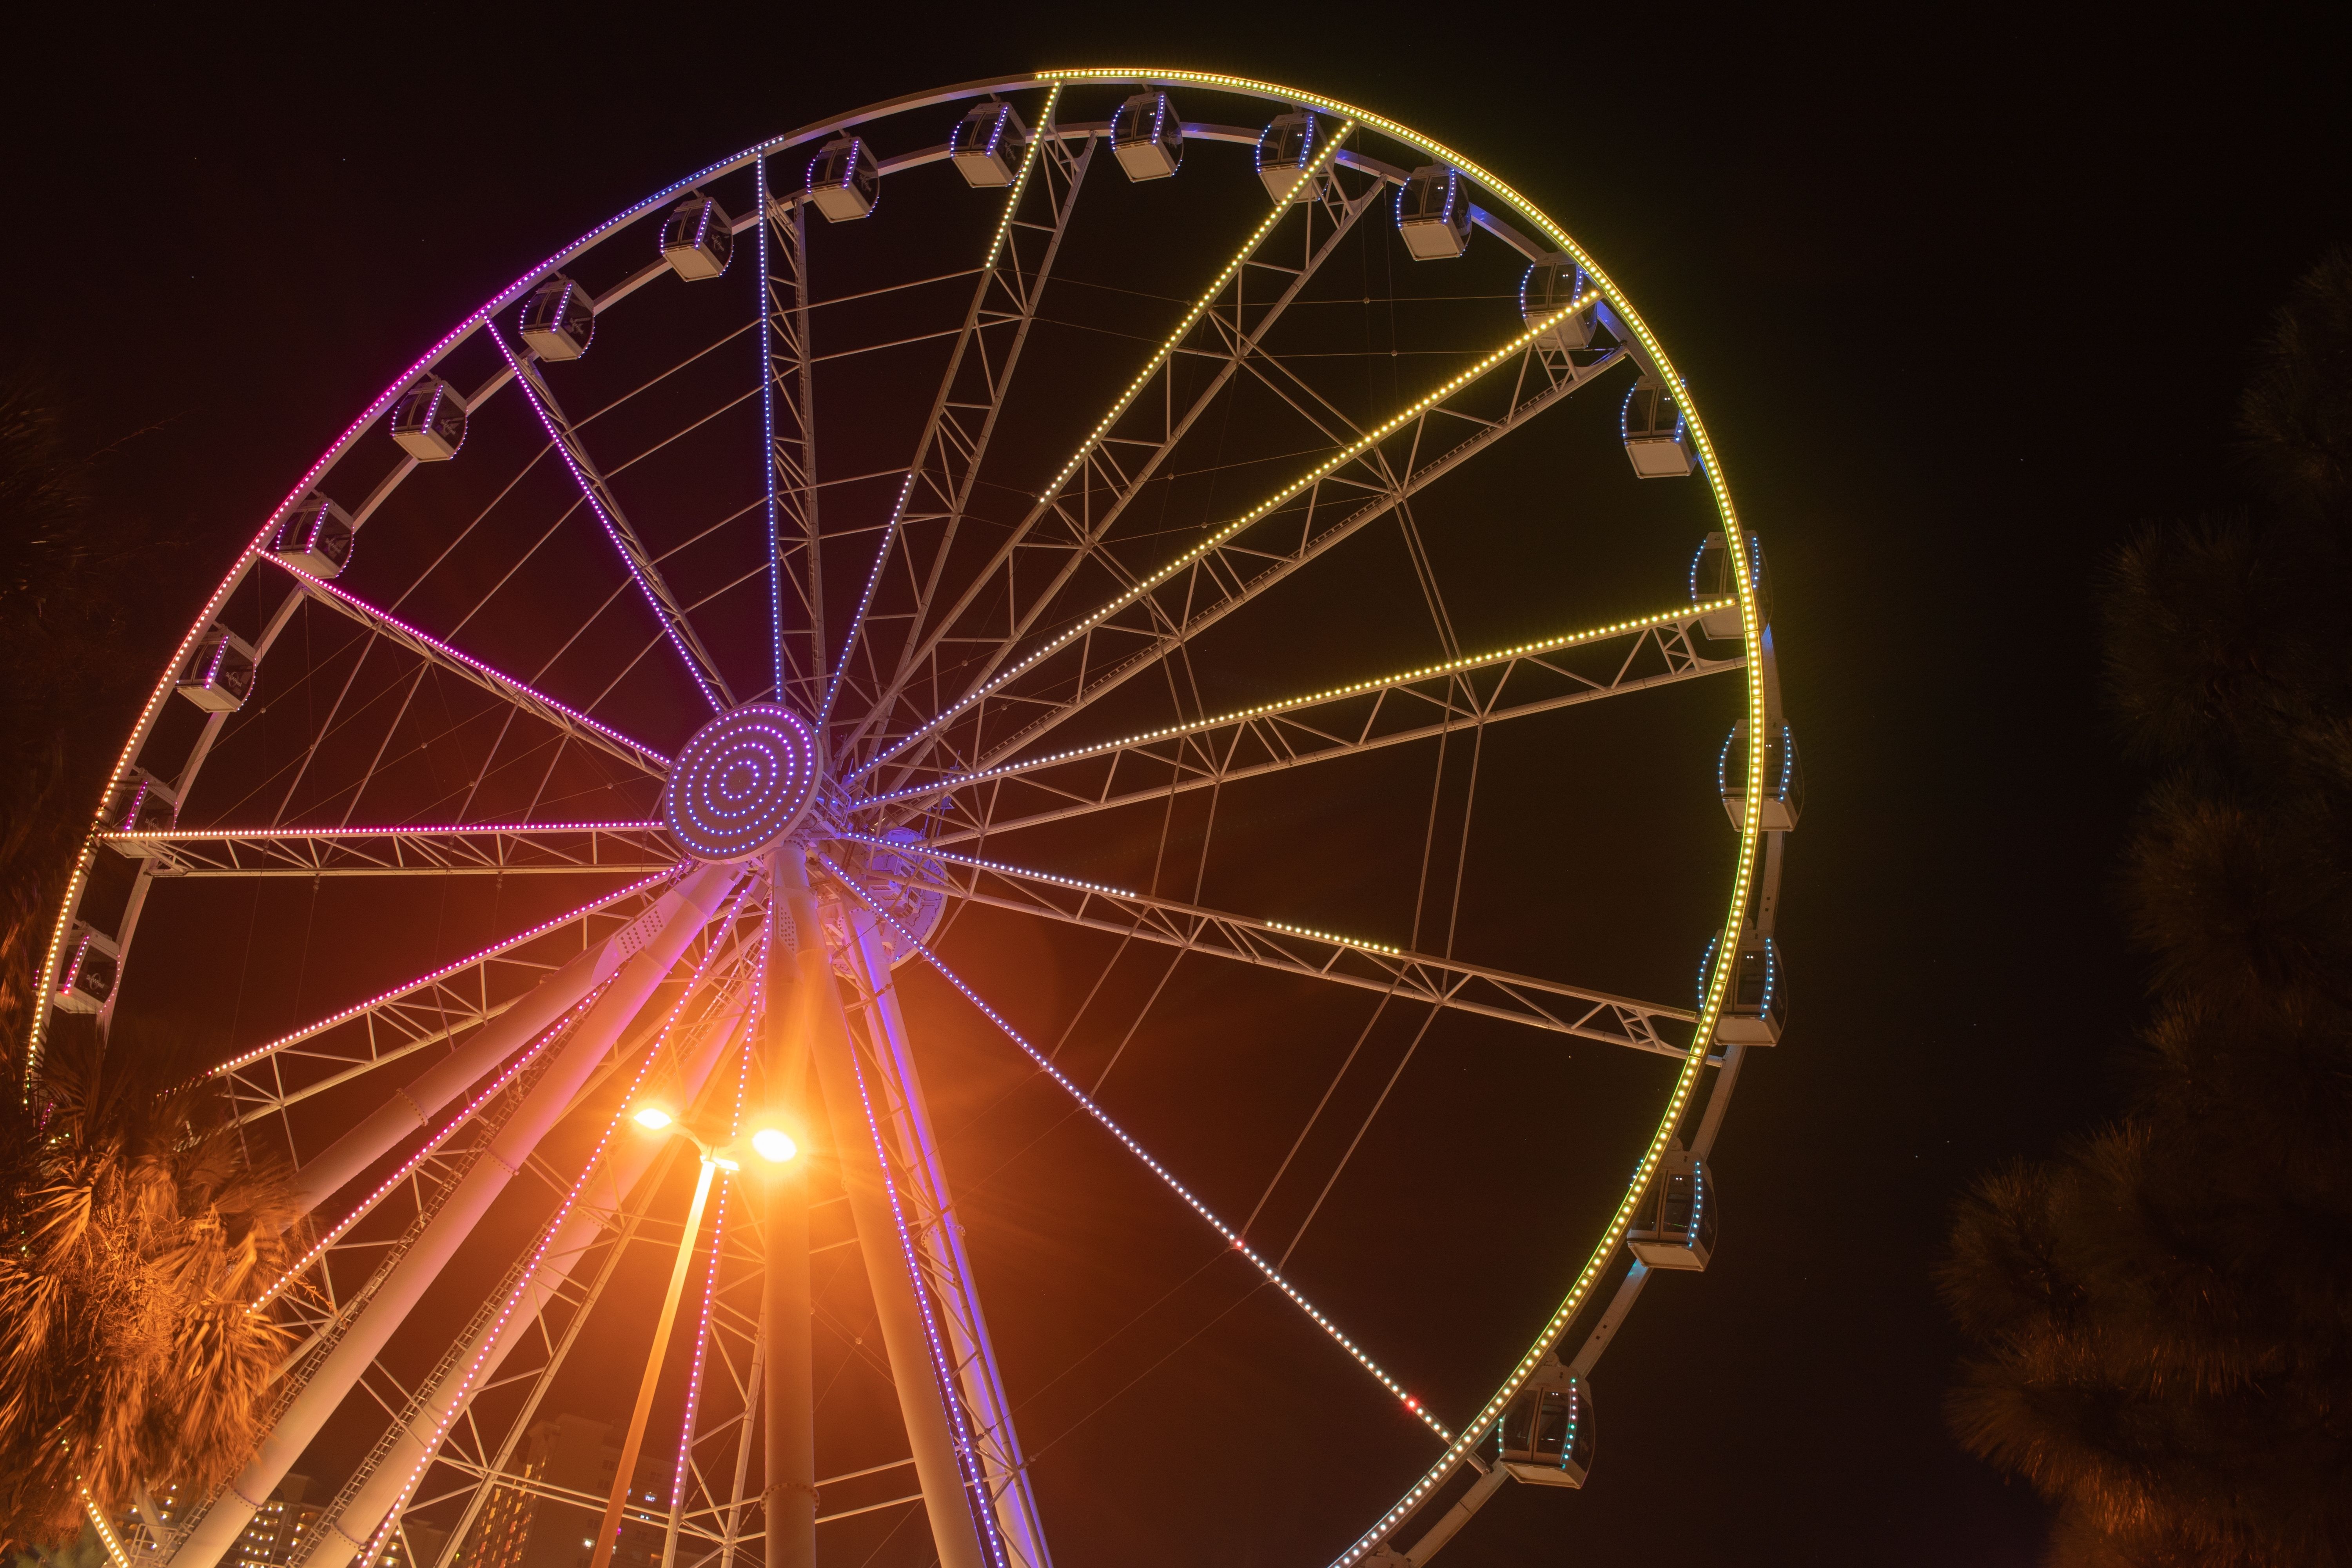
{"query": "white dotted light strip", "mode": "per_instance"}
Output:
(1750, 831)
(497, 677)
(431, 1146)
(493, 951)
(440, 830)
(588, 492)
(1087, 1104)
(439, 974)
(1022, 872)
(1312, 476)
(975, 1483)
(1354, 689)
(441, 1424)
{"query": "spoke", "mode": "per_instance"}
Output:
(1255, 750)
(1087, 1104)
(417, 1012)
(1092, 464)
(1205, 747)
(1296, 950)
(459, 850)
(633, 552)
(1210, 552)
(768, 423)
(570, 720)
(787, 380)
(954, 440)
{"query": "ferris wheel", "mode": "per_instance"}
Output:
(1021, 689)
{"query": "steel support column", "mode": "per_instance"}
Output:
(788, 1378)
(217, 1531)
(921, 1399)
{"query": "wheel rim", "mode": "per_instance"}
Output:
(924, 749)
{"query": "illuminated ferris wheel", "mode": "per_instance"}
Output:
(1019, 681)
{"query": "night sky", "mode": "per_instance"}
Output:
(1967, 300)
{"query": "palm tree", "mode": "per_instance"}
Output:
(134, 1230)
(2162, 1317)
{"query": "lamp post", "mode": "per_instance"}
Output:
(770, 1144)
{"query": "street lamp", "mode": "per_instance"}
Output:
(773, 1146)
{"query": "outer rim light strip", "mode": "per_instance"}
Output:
(1749, 833)
(1134, 389)
(1348, 454)
(505, 944)
(919, 851)
(898, 514)
(1265, 709)
(662, 613)
(382, 1536)
(1087, 1103)
(321, 585)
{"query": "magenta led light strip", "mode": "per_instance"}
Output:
(500, 676)
(366, 1205)
(383, 1535)
(506, 945)
(451, 829)
(662, 612)
(1087, 1104)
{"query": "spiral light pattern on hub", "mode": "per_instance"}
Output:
(742, 783)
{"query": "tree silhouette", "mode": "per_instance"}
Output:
(2162, 1315)
(134, 1230)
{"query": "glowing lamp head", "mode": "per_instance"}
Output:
(653, 1119)
(774, 1145)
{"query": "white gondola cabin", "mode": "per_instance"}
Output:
(142, 804)
(558, 319)
(697, 238)
(1656, 433)
(315, 537)
(1548, 290)
(1675, 1226)
(1432, 213)
(429, 420)
(986, 144)
(86, 979)
(1546, 1435)
(1755, 1003)
(1147, 136)
(844, 180)
(219, 676)
(1284, 148)
(1713, 575)
(1784, 778)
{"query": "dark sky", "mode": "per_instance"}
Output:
(1967, 299)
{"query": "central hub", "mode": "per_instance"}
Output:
(743, 784)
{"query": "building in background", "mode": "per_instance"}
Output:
(539, 1523)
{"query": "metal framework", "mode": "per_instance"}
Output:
(1088, 577)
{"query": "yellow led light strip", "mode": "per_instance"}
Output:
(1750, 833)
(1313, 169)
(1021, 180)
(105, 1529)
(1260, 711)
(1255, 514)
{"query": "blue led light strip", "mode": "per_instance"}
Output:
(1087, 1104)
